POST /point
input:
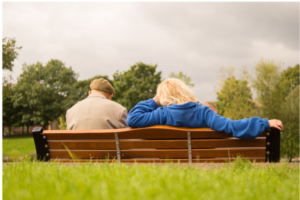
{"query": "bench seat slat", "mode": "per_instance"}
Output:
(207, 160)
(158, 144)
(169, 153)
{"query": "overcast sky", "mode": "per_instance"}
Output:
(196, 38)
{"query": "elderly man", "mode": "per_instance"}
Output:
(97, 111)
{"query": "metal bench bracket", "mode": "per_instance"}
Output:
(41, 144)
(273, 145)
(118, 147)
(189, 146)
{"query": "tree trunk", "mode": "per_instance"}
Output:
(27, 128)
(45, 127)
(22, 129)
(3, 130)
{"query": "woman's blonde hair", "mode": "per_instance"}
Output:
(174, 91)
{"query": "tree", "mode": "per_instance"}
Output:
(279, 95)
(234, 99)
(286, 107)
(137, 84)
(267, 76)
(42, 91)
(186, 79)
(80, 89)
(11, 115)
(9, 53)
(7, 106)
(234, 96)
(288, 80)
(290, 118)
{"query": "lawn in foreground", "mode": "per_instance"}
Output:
(18, 146)
(238, 181)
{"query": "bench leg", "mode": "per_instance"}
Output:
(273, 145)
(189, 147)
(118, 148)
(41, 144)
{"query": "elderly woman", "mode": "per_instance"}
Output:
(182, 109)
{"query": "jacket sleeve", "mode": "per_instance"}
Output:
(145, 113)
(244, 128)
(122, 120)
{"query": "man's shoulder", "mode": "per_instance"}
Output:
(116, 105)
(97, 102)
(78, 104)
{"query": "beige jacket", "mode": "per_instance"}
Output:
(96, 112)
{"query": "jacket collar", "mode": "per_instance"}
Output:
(97, 95)
(185, 105)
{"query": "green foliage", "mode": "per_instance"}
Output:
(186, 79)
(234, 99)
(279, 94)
(288, 80)
(80, 90)
(7, 104)
(267, 76)
(43, 90)
(285, 106)
(236, 181)
(62, 123)
(290, 119)
(234, 96)
(9, 53)
(136, 84)
(11, 115)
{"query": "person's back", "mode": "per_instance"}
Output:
(182, 109)
(97, 111)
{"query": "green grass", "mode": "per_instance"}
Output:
(18, 146)
(238, 181)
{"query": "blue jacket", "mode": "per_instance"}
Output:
(193, 115)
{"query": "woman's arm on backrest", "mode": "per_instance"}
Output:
(244, 128)
(145, 113)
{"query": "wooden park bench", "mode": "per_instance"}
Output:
(157, 144)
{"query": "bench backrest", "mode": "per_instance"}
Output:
(153, 144)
